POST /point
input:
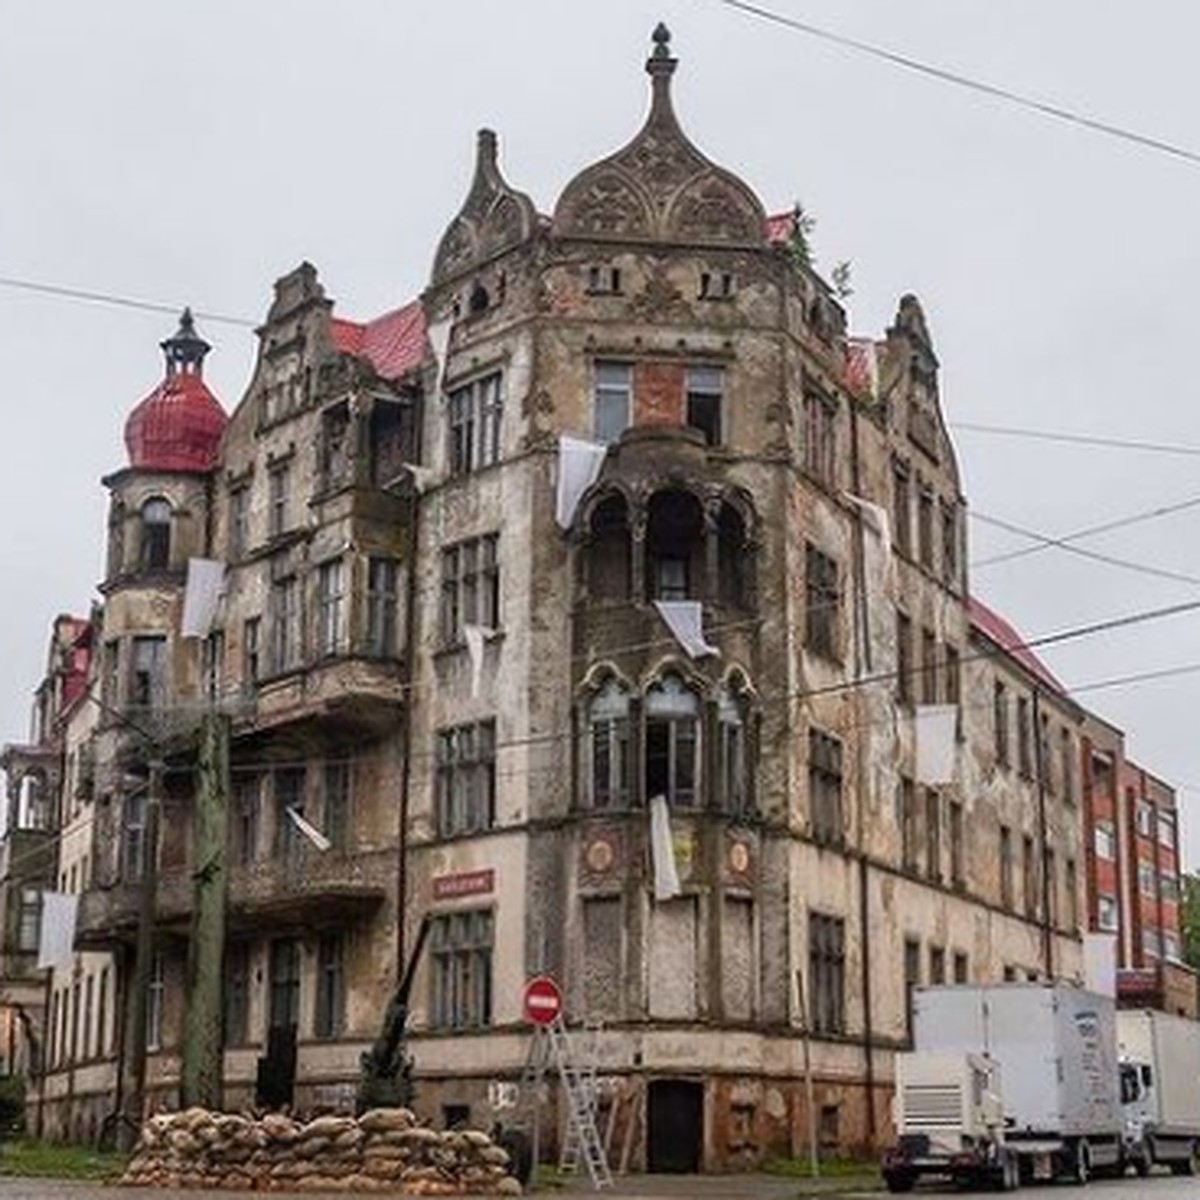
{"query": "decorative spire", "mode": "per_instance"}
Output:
(186, 350)
(660, 66)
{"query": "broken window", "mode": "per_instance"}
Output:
(156, 535)
(329, 1011)
(672, 742)
(466, 778)
(460, 947)
(612, 400)
(904, 659)
(604, 281)
(957, 854)
(822, 597)
(925, 528)
(285, 624)
(734, 560)
(825, 786)
(290, 786)
(473, 416)
(933, 834)
(1030, 880)
(826, 973)
(283, 1011)
(820, 438)
(674, 546)
(1024, 737)
(902, 507)
(251, 655)
(906, 805)
(609, 551)
(705, 396)
(470, 587)
(1000, 721)
(606, 752)
(212, 663)
(1006, 867)
(929, 674)
(331, 607)
(336, 452)
(277, 485)
(732, 772)
(148, 685)
(716, 285)
(391, 439)
(235, 1015)
(336, 800)
(381, 607)
(245, 817)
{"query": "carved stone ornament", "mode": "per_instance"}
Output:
(494, 217)
(660, 187)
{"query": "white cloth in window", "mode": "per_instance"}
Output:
(1100, 963)
(56, 940)
(662, 851)
(202, 597)
(439, 342)
(685, 619)
(579, 464)
(937, 742)
(475, 636)
(877, 520)
(309, 830)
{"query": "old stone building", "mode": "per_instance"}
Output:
(463, 685)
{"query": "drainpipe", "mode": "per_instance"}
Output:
(1043, 829)
(863, 664)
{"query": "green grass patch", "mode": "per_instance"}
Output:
(831, 1168)
(51, 1160)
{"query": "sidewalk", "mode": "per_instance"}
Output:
(724, 1187)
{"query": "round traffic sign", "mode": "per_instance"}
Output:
(543, 1002)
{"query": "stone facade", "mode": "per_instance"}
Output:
(475, 702)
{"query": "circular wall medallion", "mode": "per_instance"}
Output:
(599, 855)
(739, 858)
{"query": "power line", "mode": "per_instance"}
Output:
(1078, 535)
(945, 75)
(1078, 439)
(1049, 543)
(72, 293)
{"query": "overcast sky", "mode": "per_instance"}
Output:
(193, 153)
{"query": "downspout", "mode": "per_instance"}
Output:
(863, 665)
(1040, 769)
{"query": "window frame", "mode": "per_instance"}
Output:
(612, 389)
(474, 416)
(461, 953)
(465, 778)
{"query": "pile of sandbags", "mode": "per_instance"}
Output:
(384, 1150)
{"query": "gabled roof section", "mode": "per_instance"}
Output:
(660, 187)
(393, 344)
(494, 218)
(997, 630)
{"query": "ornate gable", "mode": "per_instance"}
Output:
(494, 218)
(660, 187)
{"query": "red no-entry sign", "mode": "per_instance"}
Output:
(543, 1002)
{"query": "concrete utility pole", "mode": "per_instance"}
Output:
(137, 1009)
(203, 1043)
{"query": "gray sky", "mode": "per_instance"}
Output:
(193, 153)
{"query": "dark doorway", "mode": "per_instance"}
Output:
(674, 1126)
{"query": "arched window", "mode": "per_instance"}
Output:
(156, 535)
(675, 546)
(732, 770)
(673, 743)
(606, 754)
(734, 564)
(608, 551)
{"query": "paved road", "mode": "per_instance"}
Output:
(753, 1188)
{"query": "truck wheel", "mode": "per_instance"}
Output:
(900, 1181)
(1012, 1173)
(1081, 1163)
(1189, 1165)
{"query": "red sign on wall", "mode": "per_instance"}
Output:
(543, 1001)
(465, 883)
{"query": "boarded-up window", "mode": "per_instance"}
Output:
(740, 965)
(673, 960)
(602, 958)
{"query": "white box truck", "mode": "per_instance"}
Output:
(1160, 1087)
(1058, 1109)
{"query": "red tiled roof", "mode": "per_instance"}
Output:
(177, 427)
(993, 626)
(392, 344)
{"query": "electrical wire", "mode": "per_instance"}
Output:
(1089, 531)
(1079, 439)
(93, 297)
(958, 79)
(1069, 547)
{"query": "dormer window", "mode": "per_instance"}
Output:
(156, 535)
(716, 285)
(604, 281)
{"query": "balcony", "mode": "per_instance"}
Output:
(280, 895)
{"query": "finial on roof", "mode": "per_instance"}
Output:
(186, 350)
(660, 64)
